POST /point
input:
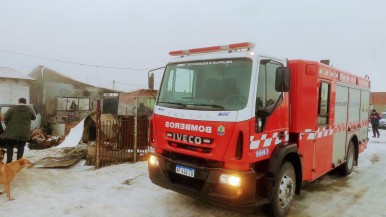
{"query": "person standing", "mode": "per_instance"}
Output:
(374, 118)
(73, 106)
(18, 126)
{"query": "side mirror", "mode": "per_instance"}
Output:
(151, 81)
(282, 82)
(150, 77)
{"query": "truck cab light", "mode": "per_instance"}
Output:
(229, 47)
(232, 180)
(153, 161)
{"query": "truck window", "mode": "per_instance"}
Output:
(323, 109)
(266, 94)
(207, 85)
(182, 88)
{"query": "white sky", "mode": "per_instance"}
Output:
(139, 34)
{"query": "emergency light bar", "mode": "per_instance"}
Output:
(230, 47)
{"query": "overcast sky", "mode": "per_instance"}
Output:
(139, 34)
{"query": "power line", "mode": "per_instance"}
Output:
(70, 62)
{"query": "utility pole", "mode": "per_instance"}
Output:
(113, 84)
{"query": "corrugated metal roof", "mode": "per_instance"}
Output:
(6, 72)
(39, 68)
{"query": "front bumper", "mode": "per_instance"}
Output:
(205, 185)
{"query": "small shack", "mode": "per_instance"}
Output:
(141, 101)
(61, 99)
(13, 85)
(378, 101)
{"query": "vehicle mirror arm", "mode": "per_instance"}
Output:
(150, 77)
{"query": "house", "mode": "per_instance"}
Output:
(60, 98)
(129, 102)
(13, 85)
(378, 101)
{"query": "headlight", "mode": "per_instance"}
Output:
(230, 180)
(153, 161)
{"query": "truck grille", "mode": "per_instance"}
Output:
(174, 156)
(190, 147)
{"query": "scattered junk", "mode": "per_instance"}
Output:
(103, 139)
(115, 144)
(51, 135)
(40, 140)
(72, 155)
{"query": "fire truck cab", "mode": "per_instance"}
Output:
(242, 130)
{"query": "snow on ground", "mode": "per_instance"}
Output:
(125, 190)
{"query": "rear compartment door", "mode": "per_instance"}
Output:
(341, 108)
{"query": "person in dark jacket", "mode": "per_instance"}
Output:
(18, 126)
(374, 118)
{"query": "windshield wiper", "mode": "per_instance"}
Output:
(211, 105)
(175, 103)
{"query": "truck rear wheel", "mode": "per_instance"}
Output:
(346, 168)
(284, 191)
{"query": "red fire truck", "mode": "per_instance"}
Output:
(241, 129)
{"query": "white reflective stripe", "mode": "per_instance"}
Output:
(254, 144)
(277, 138)
(264, 136)
(320, 134)
(274, 139)
(277, 141)
(311, 136)
(267, 142)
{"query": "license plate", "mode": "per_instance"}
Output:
(186, 171)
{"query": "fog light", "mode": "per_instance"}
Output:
(230, 180)
(153, 161)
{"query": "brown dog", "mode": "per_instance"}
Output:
(2, 153)
(9, 171)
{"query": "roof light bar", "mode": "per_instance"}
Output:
(230, 47)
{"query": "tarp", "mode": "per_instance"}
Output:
(71, 142)
(69, 159)
(74, 137)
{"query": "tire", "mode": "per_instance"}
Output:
(284, 191)
(346, 168)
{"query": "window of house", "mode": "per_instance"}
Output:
(73, 104)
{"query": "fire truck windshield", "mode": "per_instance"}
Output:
(207, 85)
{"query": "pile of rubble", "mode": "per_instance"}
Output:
(40, 140)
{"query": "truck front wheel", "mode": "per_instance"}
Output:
(284, 191)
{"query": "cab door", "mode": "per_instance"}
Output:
(270, 125)
(324, 134)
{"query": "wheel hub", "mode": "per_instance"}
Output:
(286, 191)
